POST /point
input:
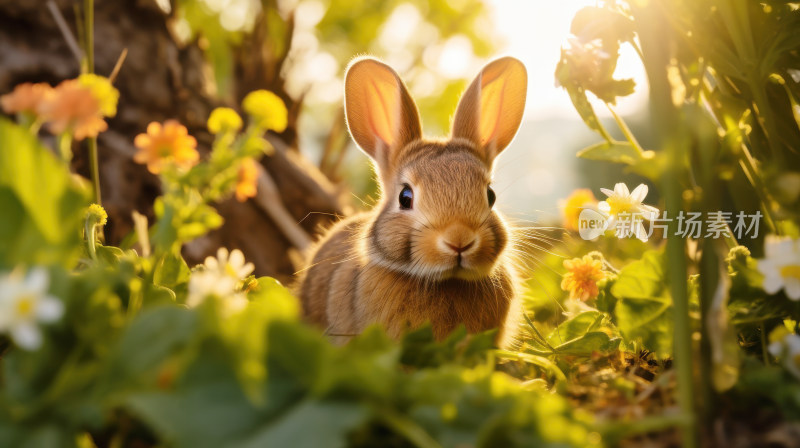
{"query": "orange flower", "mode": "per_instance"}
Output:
(26, 98)
(248, 176)
(573, 206)
(584, 273)
(167, 144)
(73, 107)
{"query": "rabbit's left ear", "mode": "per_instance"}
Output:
(490, 111)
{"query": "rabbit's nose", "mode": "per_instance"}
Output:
(458, 248)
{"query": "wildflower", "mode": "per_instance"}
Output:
(169, 143)
(583, 275)
(74, 108)
(781, 266)
(789, 349)
(103, 91)
(24, 302)
(248, 176)
(220, 277)
(223, 119)
(621, 203)
(267, 109)
(97, 215)
(26, 98)
(573, 206)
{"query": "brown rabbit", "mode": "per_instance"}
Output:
(432, 249)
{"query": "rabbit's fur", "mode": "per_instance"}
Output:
(442, 260)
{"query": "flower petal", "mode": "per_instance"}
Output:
(49, 309)
(607, 192)
(37, 281)
(621, 189)
(772, 283)
(791, 286)
(639, 193)
(27, 336)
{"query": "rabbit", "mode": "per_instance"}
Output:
(433, 249)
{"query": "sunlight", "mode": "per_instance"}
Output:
(534, 32)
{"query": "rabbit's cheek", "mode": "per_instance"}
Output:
(391, 238)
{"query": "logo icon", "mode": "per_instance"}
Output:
(591, 224)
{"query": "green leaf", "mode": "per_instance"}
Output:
(311, 424)
(155, 335)
(644, 310)
(614, 151)
(42, 203)
(594, 341)
(575, 327)
(171, 270)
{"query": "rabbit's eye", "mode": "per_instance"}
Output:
(492, 197)
(406, 198)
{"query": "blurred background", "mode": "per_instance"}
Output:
(185, 57)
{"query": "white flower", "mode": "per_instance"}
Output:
(789, 349)
(624, 205)
(24, 303)
(220, 277)
(781, 266)
(233, 265)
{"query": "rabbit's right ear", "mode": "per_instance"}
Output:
(381, 115)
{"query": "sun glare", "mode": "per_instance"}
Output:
(534, 32)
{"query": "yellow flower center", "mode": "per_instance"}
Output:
(619, 205)
(792, 270)
(25, 306)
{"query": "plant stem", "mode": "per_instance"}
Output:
(65, 147)
(673, 141)
(88, 23)
(90, 229)
(626, 131)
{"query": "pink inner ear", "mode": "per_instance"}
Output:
(491, 104)
(381, 115)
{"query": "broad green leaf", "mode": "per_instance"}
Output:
(644, 310)
(591, 342)
(171, 270)
(155, 335)
(42, 203)
(575, 327)
(310, 424)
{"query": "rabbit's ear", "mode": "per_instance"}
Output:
(490, 111)
(381, 115)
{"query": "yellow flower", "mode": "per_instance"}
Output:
(574, 204)
(72, 107)
(267, 109)
(583, 275)
(167, 144)
(103, 92)
(26, 98)
(224, 119)
(248, 177)
(97, 214)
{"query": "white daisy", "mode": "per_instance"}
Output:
(781, 266)
(24, 303)
(220, 278)
(789, 349)
(624, 205)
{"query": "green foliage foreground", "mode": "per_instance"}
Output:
(129, 362)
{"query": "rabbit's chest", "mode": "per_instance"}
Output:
(401, 302)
